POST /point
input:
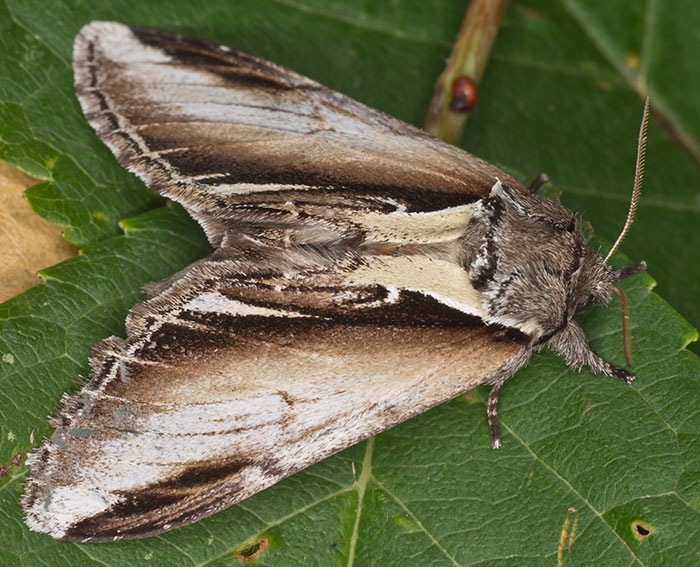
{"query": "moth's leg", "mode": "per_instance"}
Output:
(492, 414)
(573, 347)
(497, 379)
(540, 180)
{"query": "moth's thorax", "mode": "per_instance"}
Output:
(527, 257)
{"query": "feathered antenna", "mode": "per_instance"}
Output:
(638, 176)
(635, 268)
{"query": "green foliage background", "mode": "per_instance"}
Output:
(563, 94)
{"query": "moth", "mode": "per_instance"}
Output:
(364, 272)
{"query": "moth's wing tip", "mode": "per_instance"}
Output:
(60, 512)
(36, 497)
(97, 28)
(43, 524)
(85, 55)
(89, 34)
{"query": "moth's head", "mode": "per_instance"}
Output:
(591, 283)
(595, 281)
(534, 268)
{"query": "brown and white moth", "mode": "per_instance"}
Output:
(364, 272)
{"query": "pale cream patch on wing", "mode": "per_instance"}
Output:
(246, 188)
(441, 279)
(214, 302)
(415, 228)
(121, 44)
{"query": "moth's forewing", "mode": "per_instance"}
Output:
(229, 383)
(220, 131)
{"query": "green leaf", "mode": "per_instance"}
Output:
(559, 96)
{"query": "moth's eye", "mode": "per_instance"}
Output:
(584, 303)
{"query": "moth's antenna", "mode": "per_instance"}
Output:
(638, 175)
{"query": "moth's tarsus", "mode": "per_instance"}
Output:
(492, 414)
(626, 332)
(538, 182)
(621, 274)
(622, 374)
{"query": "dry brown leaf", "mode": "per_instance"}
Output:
(28, 242)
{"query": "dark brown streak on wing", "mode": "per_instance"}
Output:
(177, 500)
(196, 335)
(246, 70)
(229, 64)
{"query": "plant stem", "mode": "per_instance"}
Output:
(468, 60)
